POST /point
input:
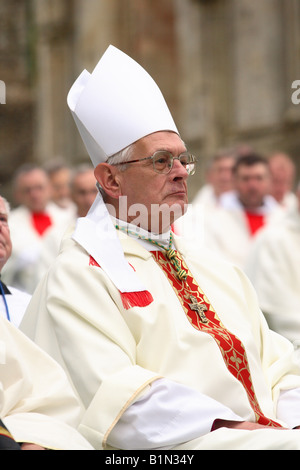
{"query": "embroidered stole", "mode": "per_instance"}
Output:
(202, 317)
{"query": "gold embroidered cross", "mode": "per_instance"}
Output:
(199, 308)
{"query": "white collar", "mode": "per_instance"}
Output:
(230, 201)
(97, 235)
(143, 236)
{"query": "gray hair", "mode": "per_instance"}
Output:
(120, 158)
(6, 205)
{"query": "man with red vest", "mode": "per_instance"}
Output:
(29, 223)
(231, 228)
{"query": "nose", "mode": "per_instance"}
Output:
(178, 170)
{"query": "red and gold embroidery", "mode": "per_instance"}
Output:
(203, 317)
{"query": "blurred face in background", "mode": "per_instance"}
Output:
(84, 191)
(220, 175)
(5, 242)
(282, 171)
(252, 183)
(60, 187)
(32, 189)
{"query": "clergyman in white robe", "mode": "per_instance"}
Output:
(37, 404)
(226, 229)
(21, 271)
(161, 342)
(274, 268)
(149, 378)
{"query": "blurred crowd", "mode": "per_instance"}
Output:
(36, 414)
(247, 210)
(46, 201)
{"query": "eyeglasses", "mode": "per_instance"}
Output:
(163, 161)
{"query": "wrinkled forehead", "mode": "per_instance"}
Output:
(162, 140)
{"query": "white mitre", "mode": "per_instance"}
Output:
(116, 105)
(113, 107)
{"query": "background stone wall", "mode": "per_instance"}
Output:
(225, 67)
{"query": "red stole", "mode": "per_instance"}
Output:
(255, 221)
(41, 221)
(232, 349)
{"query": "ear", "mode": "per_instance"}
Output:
(106, 174)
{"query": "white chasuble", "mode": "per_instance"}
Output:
(202, 317)
(113, 355)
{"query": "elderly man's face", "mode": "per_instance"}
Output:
(5, 242)
(154, 193)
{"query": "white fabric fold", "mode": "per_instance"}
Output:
(168, 414)
(98, 236)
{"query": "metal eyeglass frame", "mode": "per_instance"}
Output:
(192, 161)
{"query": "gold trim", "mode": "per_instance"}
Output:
(123, 409)
(5, 432)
